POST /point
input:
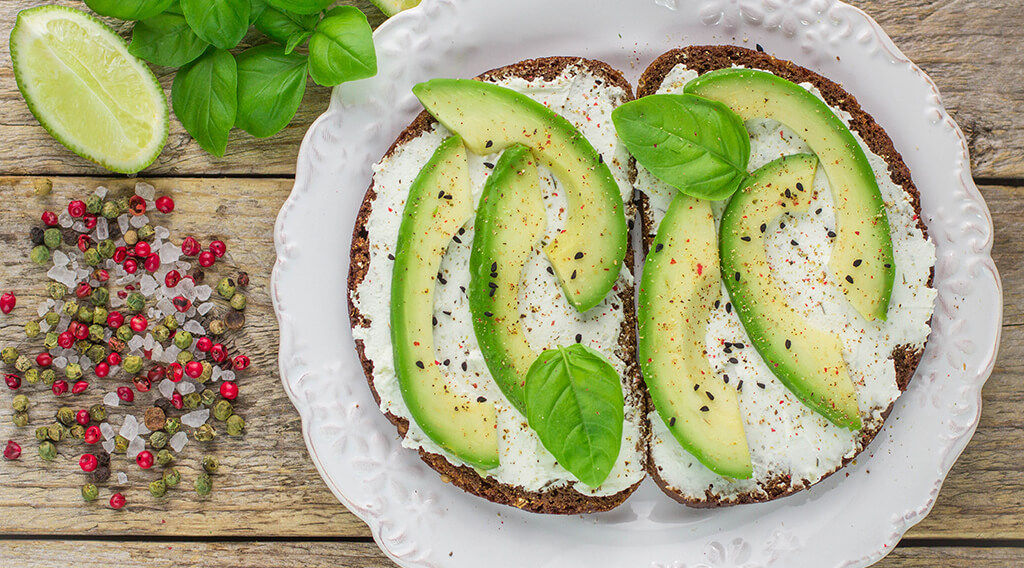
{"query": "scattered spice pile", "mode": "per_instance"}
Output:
(130, 307)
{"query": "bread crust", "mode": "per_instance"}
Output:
(703, 59)
(559, 500)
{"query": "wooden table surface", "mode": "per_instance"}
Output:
(270, 507)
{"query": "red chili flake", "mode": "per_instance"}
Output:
(672, 261)
(7, 302)
(50, 218)
(136, 205)
(12, 451)
(79, 387)
(76, 208)
(164, 204)
(700, 269)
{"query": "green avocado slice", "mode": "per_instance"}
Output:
(588, 254)
(861, 260)
(509, 220)
(679, 285)
(440, 202)
(807, 360)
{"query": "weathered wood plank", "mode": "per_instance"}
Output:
(972, 49)
(1007, 206)
(297, 554)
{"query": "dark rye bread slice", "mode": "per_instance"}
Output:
(558, 500)
(703, 59)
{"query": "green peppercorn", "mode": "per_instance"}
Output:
(172, 425)
(183, 340)
(131, 236)
(31, 376)
(132, 364)
(158, 439)
(40, 255)
(77, 431)
(109, 210)
(9, 355)
(99, 315)
(100, 296)
(120, 444)
(65, 415)
(106, 248)
(235, 425)
(226, 288)
(73, 371)
(90, 492)
(171, 322)
(164, 457)
(161, 333)
(51, 318)
(94, 204)
(135, 302)
(223, 410)
(204, 433)
(52, 237)
(217, 327)
(56, 290)
(82, 346)
(96, 333)
(171, 477)
(210, 464)
(20, 402)
(49, 376)
(98, 412)
(116, 344)
(42, 186)
(92, 257)
(146, 232)
(55, 431)
(47, 451)
(96, 353)
(122, 205)
(125, 333)
(84, 313)
(238, 301)
(20, 419)
(42, 433)
(70, 308)
(206, 375)
(22, 363)
(32, 329)
(184, 357)
(192, 400)
(50, 341)
(203, 484)
(157, 488)
(208, 396)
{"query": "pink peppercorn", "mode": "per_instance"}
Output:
(79, 387)
(126, 394)
(240, 363)
(59, 387)
(204, 344)
(90, 221)
(193, 369)
(93, 434)
(131, 266)
(164, 204)
(172, 278)
(66, 340)
(139, 323)
(50, 218)
(218, 352)
(144, 459)
(120, 254)
(82, 417)
(44, 359)
(177, 401)
(12, 451)
(190, 246)
(229, 390)
(206, 259)
(152, 263)
(76, 208)
(175, 372)
(218, 248)
(115, 320)
(114, 359)
(7, 302)
(117, 501)
(102, 369)
(13, 381)
(142, 248)
(136, 205)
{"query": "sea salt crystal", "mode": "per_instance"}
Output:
(161, 232)
(186, 387)
(43, 326)
(72, 357)
(122, 222)
(60, 259)
(216, 374)
(100, 192)
(137, 444)
(169, 253)
(145, 190)
(122, 477)
(196, 418)
(166, 388)
(65, 220)
(108, 445)
(130, 427)
(172, 351)
(142, 429)
(135, 342)
(147, 343)
(60, 362)
(203, 292)
(164, 305)
(138, 221)
(82, 273)
(102, 229)
(204, 309)
(147, 285)
(116, 301)
(180, 317)
(42, 309)
(107, 430)
(111, 399)
(178, 441)
(186, 288)
(79, 227)
(227, 376)
(153, 314)
(194, 327)
(158, 352)
(62, 275)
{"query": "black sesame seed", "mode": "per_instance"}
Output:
(737, 276)
(463, 288)
(488, 144)
(788, 344)
(887, 265)
(434, 320)
(551, 271)
(760, 385)
(481, 399)
(494, 267)
(489, 165)
(441, 280)
(717, 303)
(728, 307)
(440, 194)
(447, 362)
(727, 349)
(789, 194)
(448, 196)
(494, 275)
(659, 247)
(739, 385)
(849, 279)
(857, 262)
(738, 345)
(579, 337)
(764, 227)
(831, 234)
(489, 314)
(578, 256)
(491, 293)
(391, 256)
(465, 366)
(696, 388)
(446, 312)
(782, 225)
(672, 421)
(710, 396)
(733, 360)
(704, 409)
(420, 364)
(799, 186)
(745, 239)
(600, 159)
(817, 211)
(573, 276)
(794, 243)
(725, 378)
(462, 231)
(759, 48)
(492, 285)
(457, 239)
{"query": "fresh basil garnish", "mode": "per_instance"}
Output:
(283, 26)
(574, 402)
(696, 145)
(205, 99)
(341, 48)
(270, 87)
(220, 22)
(128, 9)
(166, 39)
(301, 6)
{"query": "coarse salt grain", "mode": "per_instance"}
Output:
(204, 309)
(137, 444)
(138, 221)
(122, 223)
(130, 427)
(186, 387)
(111, 399)
(166, 388)
(100, 192)
(107, 430)
(102, 229)
(178, 441)
(161, 232)
(196, 418)
(227, 376)
(203, 292)
(194, 327)
(145, 190)
(65, 220)
(108, 445)
(122, 477)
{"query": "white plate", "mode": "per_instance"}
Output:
(851, 519)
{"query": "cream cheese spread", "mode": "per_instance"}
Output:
(790, 443)
(547, 318)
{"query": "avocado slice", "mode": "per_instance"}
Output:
(861, 260)
(440, 202)
(679, 285)
(808, 361)
(509, 220)
(588, 254)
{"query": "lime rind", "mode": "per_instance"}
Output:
(124, 144)
(392, 7)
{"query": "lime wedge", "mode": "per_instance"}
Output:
(84, 87)
(392, 7)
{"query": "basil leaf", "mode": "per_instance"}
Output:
(220, 22)
(301, 6)
(296, 40)
(281, 26)
(166, 39)
(128, 9)
(205, 99)
(696, 145)
(256, 9)
(574, 402)
(270, 88)
(341, 49)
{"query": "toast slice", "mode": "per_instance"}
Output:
(583, 91)
(774, 420)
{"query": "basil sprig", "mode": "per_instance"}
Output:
(574, 402)
(258, 89)
(696, 145)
